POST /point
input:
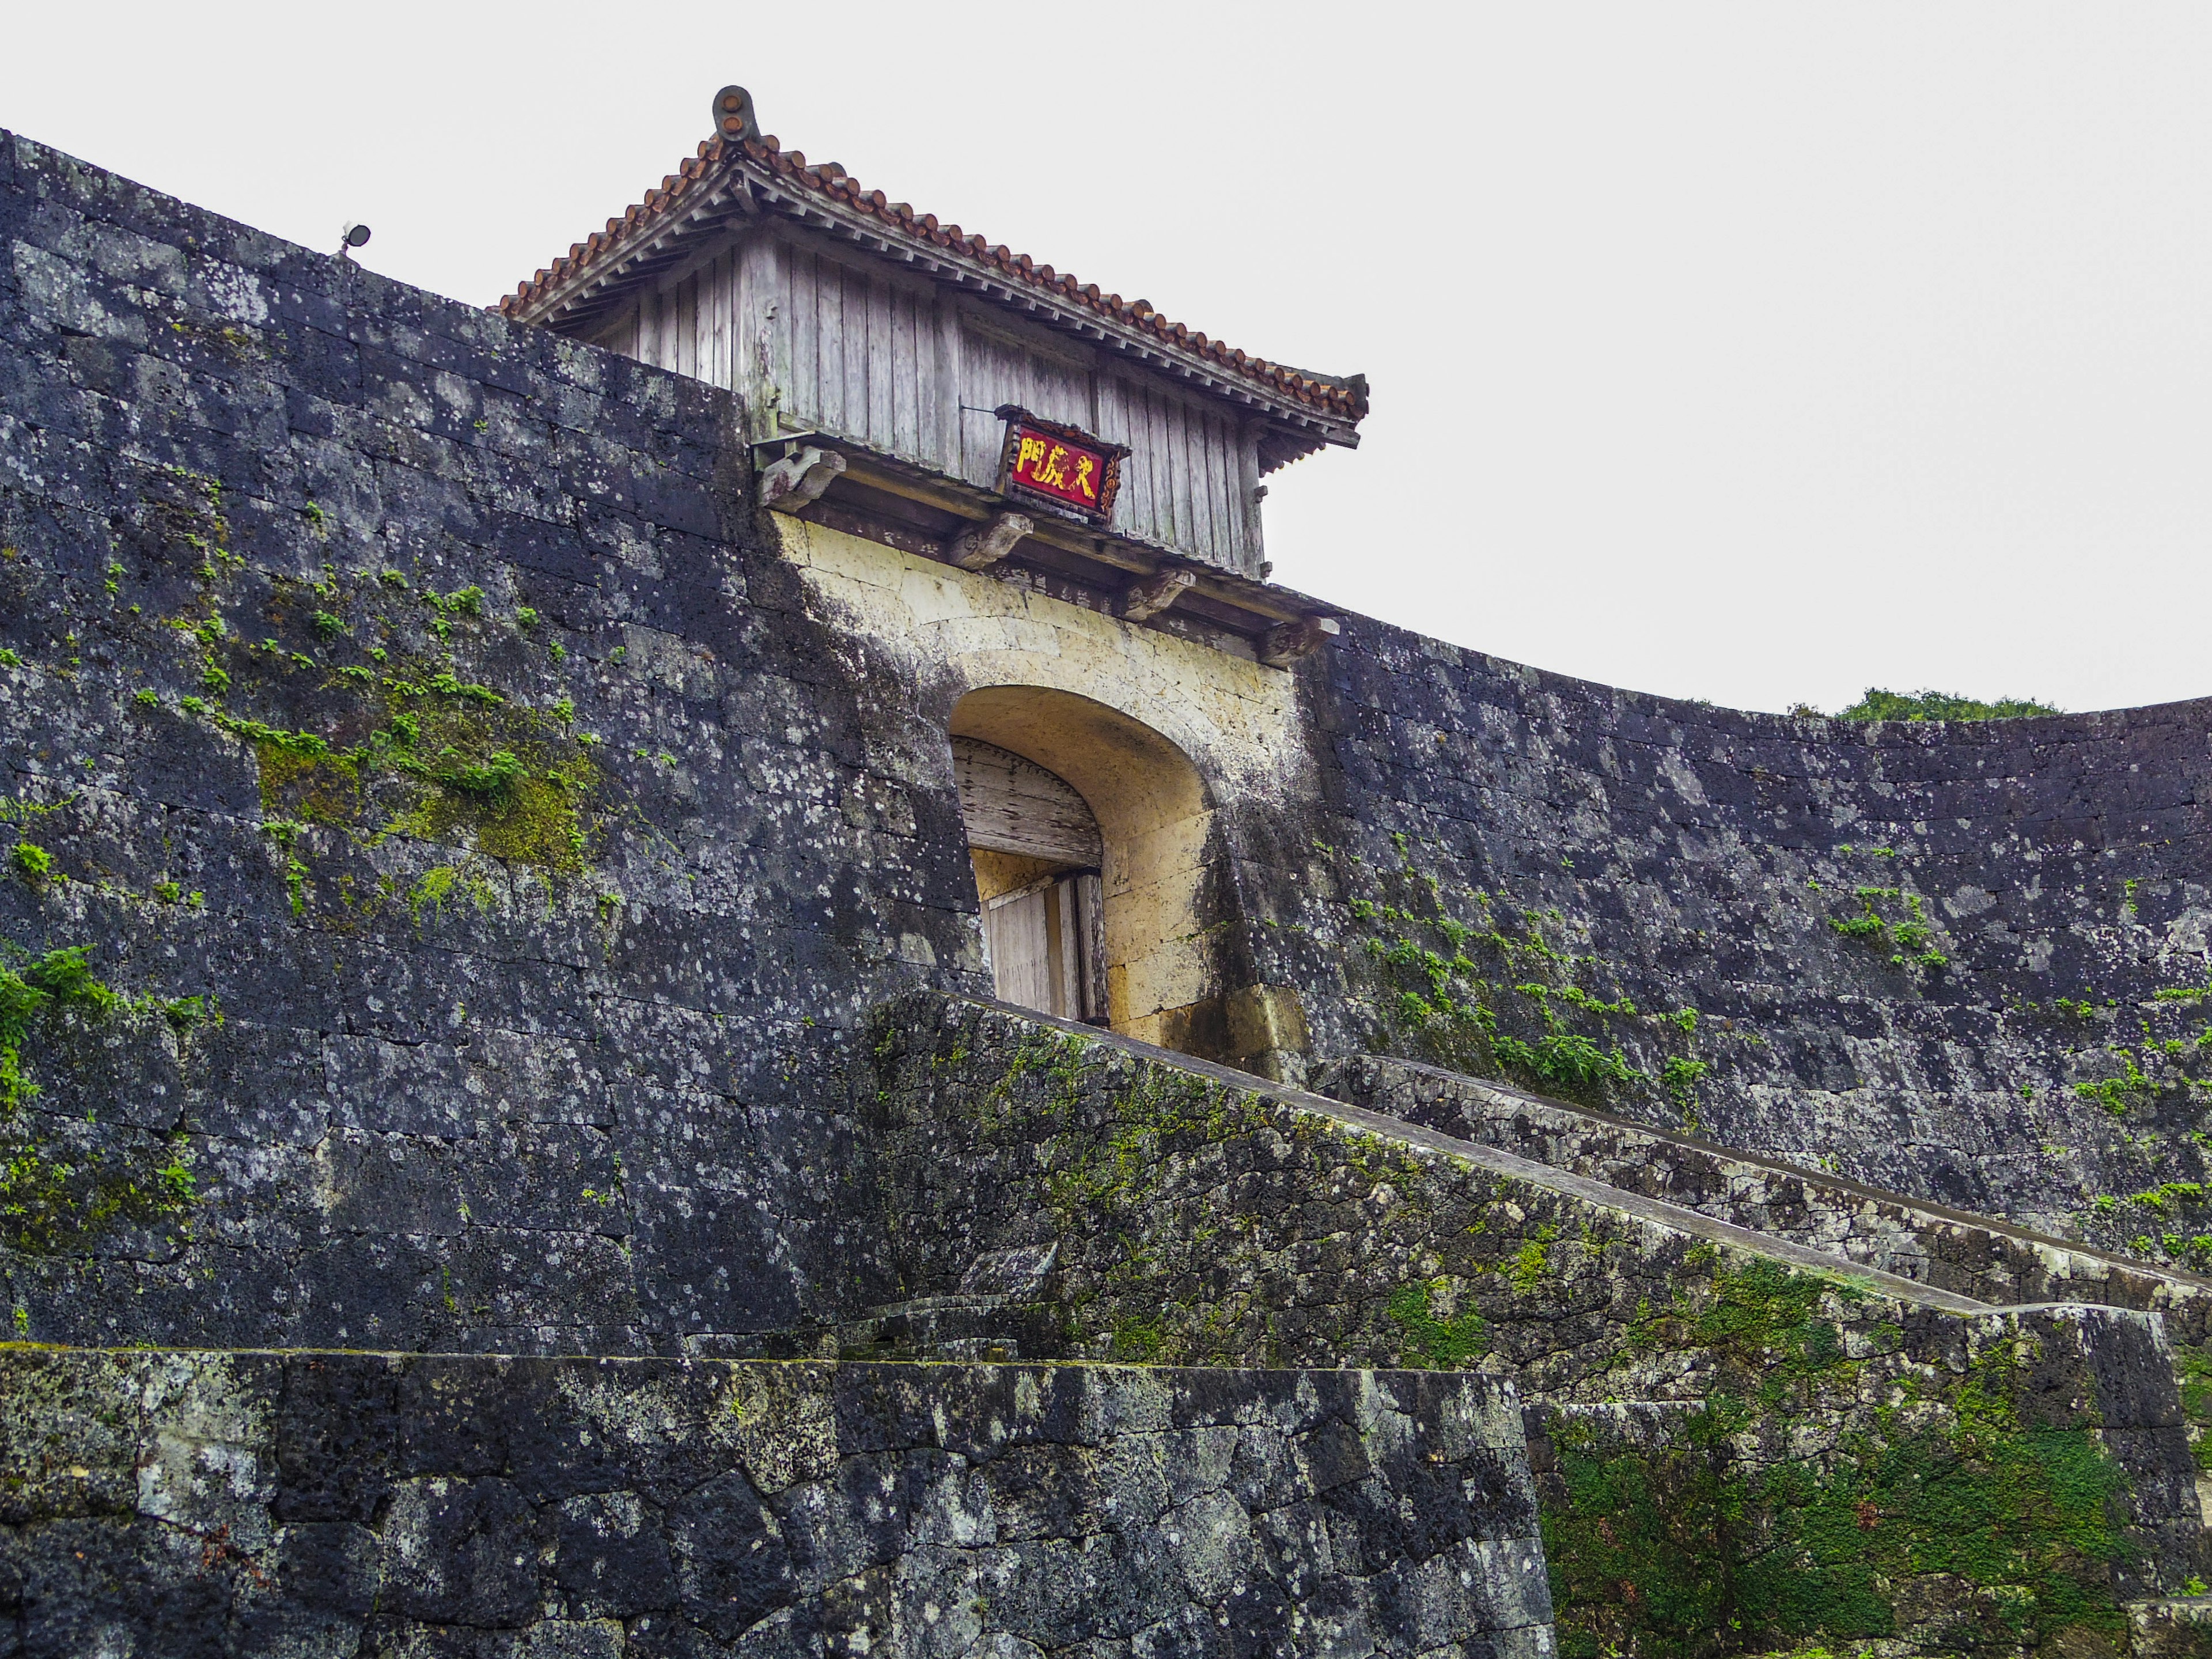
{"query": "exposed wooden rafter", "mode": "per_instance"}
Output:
(1145, 599)
(981, 548)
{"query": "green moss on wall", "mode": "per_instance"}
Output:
(1484, 988)
(403, 741)
(1437, 1337)
(441, 759)
(1681, 1552)
(1716, 1539)
(61, 1185)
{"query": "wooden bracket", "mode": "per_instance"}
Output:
(798, 480)
(1148, 597)
(1281, 646)
(984, 546)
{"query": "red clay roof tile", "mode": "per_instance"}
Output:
(1345, 401)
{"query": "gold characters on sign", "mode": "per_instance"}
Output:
(1046, 464)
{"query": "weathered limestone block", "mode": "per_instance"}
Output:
(323, 1502)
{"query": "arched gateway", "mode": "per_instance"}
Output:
(1089, 834)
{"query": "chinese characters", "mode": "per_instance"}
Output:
(1065, 471)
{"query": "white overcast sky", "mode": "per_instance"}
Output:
(1756, 352)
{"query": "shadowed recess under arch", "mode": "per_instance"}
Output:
(1155, 822)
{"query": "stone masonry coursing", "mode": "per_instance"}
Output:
(454, 843)
(258, 1504)
(1966, 962)
(1761, 1443)
(409, 687)
(596, 985)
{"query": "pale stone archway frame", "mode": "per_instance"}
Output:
(1154, 820)
(1205, 731)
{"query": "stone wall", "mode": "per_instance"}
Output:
(451, 844)
(1966, 961)
(1813, 1450)
(407, 717)
(422, 694)
(339, 1503)
(1974, 1256)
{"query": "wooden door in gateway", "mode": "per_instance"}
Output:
(1039, 953)
(1036, 850)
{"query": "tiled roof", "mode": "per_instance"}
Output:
(1345, 400)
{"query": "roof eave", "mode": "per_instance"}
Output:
(603, 283)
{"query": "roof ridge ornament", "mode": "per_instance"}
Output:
(734, 121)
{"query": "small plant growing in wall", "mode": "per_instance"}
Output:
(1893, 922)
(59, 1184)
(1499, 995)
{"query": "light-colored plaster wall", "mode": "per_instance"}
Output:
(948, 633)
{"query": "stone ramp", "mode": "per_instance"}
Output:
(994, 1314)
(1444, 1139)
(1984, 1257)
(1685, 1219)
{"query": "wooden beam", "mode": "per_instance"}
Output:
(918, 489)
(1070, 539)
(1143, 600)
(1240, 594)
(1281, 646)
(981, 548)
(796, 481)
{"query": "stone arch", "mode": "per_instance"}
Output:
(1155, 822)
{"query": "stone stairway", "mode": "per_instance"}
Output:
(1032, 1252)
(1002, 1309)
(1984, 1257)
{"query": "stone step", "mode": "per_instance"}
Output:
(1984, 1257)
(1661, 1211)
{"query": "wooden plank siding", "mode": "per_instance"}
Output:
(1010, 804)
(813, 339)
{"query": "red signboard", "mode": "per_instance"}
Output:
(1060, 465)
